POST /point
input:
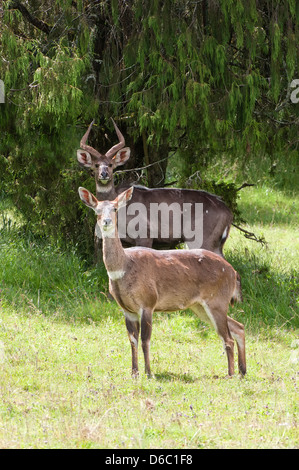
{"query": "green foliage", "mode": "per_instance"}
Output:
(229, 193)
(46, 95)
(207, 79)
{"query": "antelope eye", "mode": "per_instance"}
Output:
(110, 165)
(97, 165)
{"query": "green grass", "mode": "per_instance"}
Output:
(65, 357)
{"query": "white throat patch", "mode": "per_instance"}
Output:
(105, 187)
(115, 275)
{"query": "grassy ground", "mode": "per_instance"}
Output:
(65, 357)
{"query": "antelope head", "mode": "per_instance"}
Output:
(103, 164)
(106, 210)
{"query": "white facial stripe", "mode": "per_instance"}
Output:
(104, 210)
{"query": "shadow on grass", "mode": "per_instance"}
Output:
(270, 295)
(170, 377)
(185, 378)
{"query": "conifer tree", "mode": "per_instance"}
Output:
(198, 78)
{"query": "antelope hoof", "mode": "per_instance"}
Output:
(135, 374)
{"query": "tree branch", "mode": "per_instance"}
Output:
(251, 235)
(39, 24)
(244, 185)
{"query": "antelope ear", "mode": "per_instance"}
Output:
(121, 157)
(123, 198)
(89, 199)
(84, 158)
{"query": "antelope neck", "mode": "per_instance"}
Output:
(105, 192)
(113, 256)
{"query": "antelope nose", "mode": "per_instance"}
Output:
(104, 175)
(107, 223)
